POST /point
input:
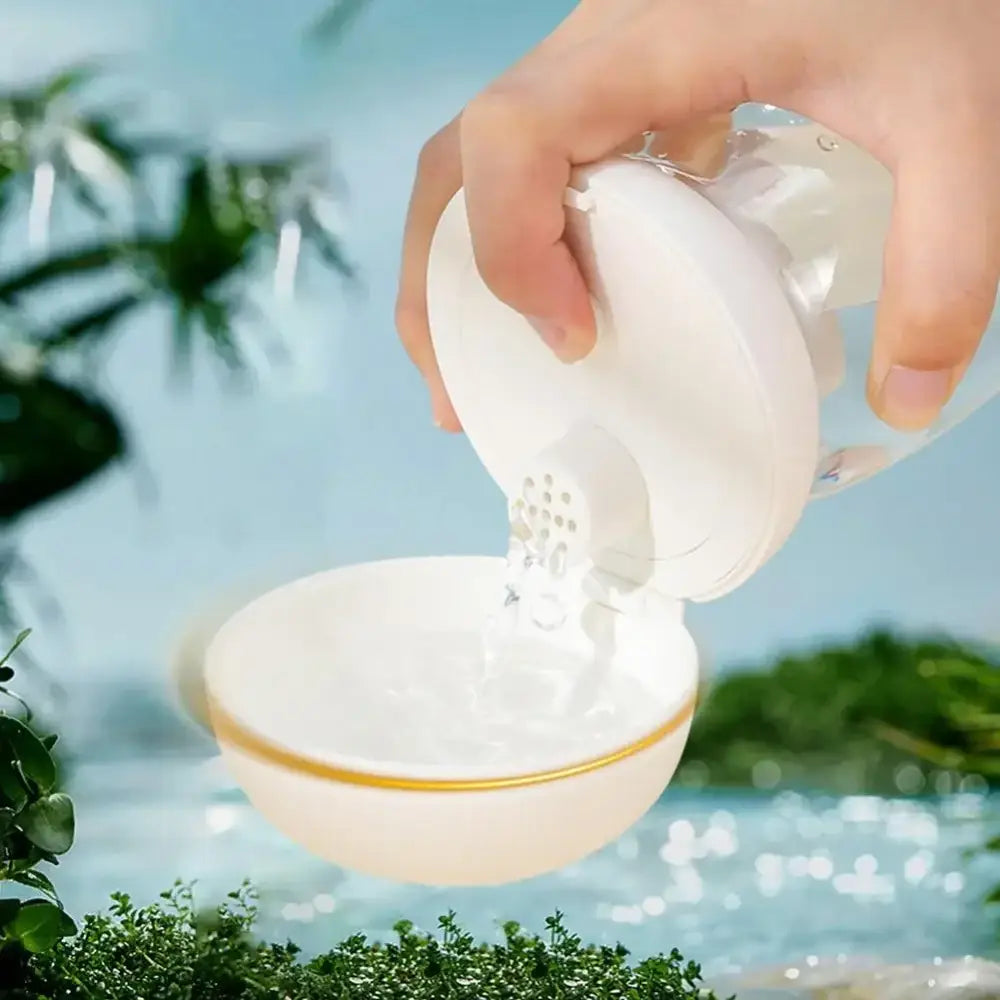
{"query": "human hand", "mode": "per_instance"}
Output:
(915, 82)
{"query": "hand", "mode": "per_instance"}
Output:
(915, 82)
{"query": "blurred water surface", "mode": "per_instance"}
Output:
(735, 881)
(335, 460)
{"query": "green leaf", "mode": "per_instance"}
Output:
(993, 844)
(28, 750)
(328, 247)
(13, 791)
(49, 823)
(35, 880)
(83, 261)
(18, 640)
(335, 20)
(52, 438)
(70, 79)
(994, 897)
(39, 924)
(91, 324)
(8, 911)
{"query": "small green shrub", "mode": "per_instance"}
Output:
(168, 952)
(36, 826)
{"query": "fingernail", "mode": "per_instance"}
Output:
(553, 335)
(439, 414)
(912, 398)
(443, 413)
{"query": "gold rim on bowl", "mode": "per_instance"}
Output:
(231, 732)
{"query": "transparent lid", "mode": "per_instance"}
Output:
(817, 209)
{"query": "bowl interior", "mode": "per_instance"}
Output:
(379, 668)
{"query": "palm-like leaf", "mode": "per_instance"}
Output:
(335, 20)
(54, 437)
(46, 141)
(232, 212)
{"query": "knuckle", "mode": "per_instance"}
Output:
(500, 268)
(945, 329)
(495, 111)
(436, 156)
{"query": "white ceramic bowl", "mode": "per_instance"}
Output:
(268, 677)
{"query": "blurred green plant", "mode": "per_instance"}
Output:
(883, 715)
(45, 141)
(37, 825)
(232, 212)
(198, 258)
(834, 719)
(335, 19)
(968, 691)
(970, 695)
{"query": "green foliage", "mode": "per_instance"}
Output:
(335, 20)
(199, 265)
(37, 125)
(36, 827)
(54, 437)
(847, 718)
(167, 952)
(834, 718)
(970, 695)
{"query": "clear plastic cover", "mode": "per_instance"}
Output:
(817, 209)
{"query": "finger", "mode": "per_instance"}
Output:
(699, 146)
(942, 263)
(439, 176)
(581, 105)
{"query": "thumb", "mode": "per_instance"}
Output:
(942, 262)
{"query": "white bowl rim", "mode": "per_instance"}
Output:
(233, 733)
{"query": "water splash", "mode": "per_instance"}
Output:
(542, 592)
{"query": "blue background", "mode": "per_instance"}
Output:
(337, 461)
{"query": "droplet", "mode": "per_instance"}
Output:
(548, 612)
(557, 561)
(827, 143)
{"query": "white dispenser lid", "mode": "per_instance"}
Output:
(701, 372)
